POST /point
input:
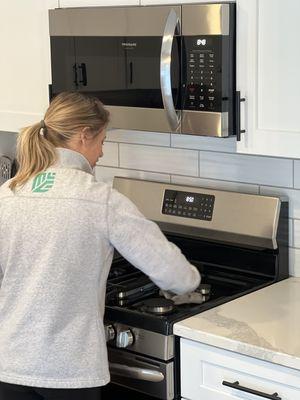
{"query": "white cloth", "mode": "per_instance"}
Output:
(186, 298)
(56, 246)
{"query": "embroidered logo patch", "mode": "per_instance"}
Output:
(43, 182)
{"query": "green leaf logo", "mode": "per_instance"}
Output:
(43, 182)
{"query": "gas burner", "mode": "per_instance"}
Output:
(204, 289)
(158, 306)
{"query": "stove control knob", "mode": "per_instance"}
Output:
(110, 332)
(125, 339)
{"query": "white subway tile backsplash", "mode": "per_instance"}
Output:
(292, 233)
(204, 143)
(297, 174)
(247, 169)
(292, 195)
(294, 262)
(138, 137)
(296, 242)
(215, 184)
(111, 155)
(107, 174)
(159, 159)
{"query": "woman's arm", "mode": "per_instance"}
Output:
(143, 244)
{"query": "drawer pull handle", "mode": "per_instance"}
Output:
(236, 385)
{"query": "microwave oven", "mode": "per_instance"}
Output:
(169, 68)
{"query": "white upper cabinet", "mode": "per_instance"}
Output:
(25, 62)
(96, 3)
(268, 60)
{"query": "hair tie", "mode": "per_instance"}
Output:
(43, 128)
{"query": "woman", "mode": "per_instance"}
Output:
(58, 231)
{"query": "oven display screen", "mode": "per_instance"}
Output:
(188, 205)
(190, 199)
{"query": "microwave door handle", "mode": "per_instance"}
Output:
(165, 70)
(136, 372)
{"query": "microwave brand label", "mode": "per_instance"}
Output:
(201, 42)
(128, 44)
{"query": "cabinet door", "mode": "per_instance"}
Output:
(93, 3)
(205, 370)
(268, 59)
(25, 62)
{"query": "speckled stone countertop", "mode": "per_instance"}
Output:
(264, 324)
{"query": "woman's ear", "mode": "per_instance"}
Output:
(84, 135)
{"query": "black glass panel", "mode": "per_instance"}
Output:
(124, 71)
(202, 73)
(63, 64)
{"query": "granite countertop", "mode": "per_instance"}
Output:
(264, 324)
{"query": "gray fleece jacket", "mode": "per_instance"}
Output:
(57, 235)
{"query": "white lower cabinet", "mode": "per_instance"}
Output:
(205, 369)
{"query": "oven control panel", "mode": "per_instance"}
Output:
(188, 204)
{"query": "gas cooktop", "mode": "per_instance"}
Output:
(132, 298)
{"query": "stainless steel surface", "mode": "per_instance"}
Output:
(110, 21)
(5, 169)
(245, 219)
(205, 123)
(124, 339)
(205, 19)
(140, 289)
(143, 119)
(149, 343)
(204, 289)
(158, 306)
(110, 332)
(165, 70)
(135, 367)
(136, 373)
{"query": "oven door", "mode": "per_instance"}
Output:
(142, 374)
(128, 57)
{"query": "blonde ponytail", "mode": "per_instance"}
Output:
(67, 114)
(34, 154)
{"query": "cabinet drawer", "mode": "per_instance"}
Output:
(204, 368)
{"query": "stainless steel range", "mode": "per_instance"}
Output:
(239, 243)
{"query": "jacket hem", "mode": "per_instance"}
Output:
(54, 383)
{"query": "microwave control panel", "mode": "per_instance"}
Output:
(202, 73)
(188, 205)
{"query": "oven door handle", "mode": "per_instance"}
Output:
(165, 71)
(136, 372)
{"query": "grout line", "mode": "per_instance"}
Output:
(132, 169)
(165, 146)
